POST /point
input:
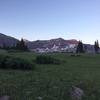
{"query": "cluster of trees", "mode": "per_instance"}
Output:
(20, 45)
(80, 47)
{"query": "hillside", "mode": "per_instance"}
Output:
(61, 43)
(7, 40)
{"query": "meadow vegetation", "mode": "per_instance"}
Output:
(52, 81)
(46, 59)
(11, 62)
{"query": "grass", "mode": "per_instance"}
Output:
(52, 82)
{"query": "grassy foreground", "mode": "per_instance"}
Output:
(52, 82)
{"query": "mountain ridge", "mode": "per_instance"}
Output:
(52, 45)
(10, 41)
(7, 40)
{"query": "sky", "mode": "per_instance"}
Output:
(47, 19)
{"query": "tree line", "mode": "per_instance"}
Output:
(20, 45)
(81, 48)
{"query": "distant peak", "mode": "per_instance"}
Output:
(58, 39)
(25, 40)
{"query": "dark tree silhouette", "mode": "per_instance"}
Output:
(80, 48)
(96, 46)
(21, 45)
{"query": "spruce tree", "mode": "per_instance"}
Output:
(96, 46)
(21, 45)
(80, 48)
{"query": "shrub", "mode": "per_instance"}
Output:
(2, 61)
(45, 59)
(9, 62)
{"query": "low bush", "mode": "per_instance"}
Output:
(9, 62)
(45, 59)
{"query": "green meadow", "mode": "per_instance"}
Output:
(51, 81)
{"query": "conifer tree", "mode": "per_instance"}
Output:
(80, 48)
(21, 45)
(96, 46)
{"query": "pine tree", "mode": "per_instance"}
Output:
(21, 45)
(80, 47)
(96, 46)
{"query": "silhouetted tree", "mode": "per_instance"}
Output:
(80, 48)
(96, 46)
(21, 45)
